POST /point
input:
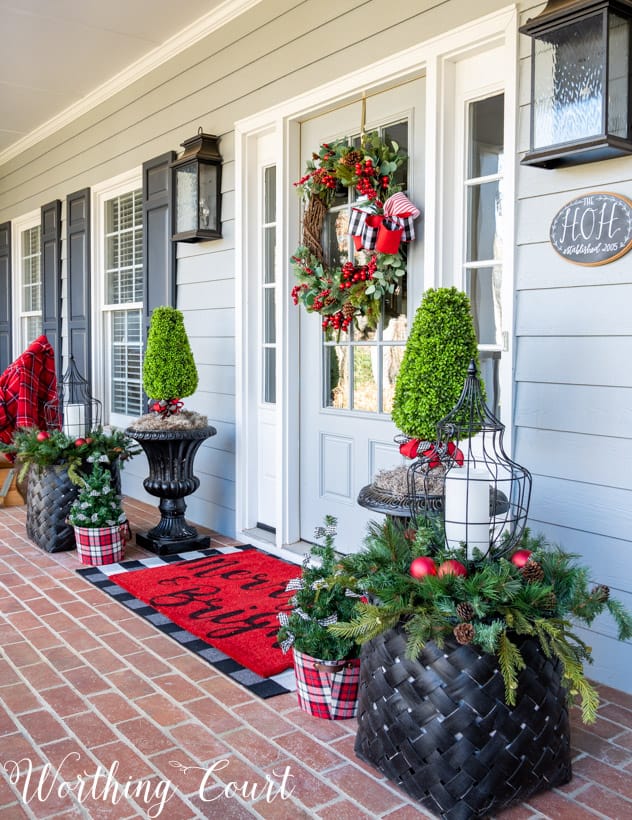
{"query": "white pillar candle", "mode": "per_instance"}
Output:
(75, 419)
(467, 508)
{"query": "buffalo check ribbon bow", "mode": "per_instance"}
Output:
(434, 453)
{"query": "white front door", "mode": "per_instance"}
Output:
(347, 383)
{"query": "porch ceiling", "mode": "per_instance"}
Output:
(53, 54)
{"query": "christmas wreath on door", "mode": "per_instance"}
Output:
(381, 223)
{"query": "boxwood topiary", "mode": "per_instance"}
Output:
(169, 370)
(441, 344)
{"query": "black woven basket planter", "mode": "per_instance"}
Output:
(439, 727)
(49, 496)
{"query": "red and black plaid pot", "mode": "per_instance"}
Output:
(327, 689)
(101, 545)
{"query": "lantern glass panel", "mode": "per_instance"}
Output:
(618, 75)
(568, 83)
(208, 197)
(186, 197)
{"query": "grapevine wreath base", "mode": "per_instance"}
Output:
(381, 223)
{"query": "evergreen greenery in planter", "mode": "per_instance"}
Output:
(43, 448)
(98, 504)
(538, 591)
(321, 597)
(441, 345)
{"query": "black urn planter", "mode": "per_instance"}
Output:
(170, 454)
(439, 727)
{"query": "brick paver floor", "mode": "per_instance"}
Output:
(88, 690)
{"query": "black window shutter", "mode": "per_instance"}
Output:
(159, 252)
(51, 277)
(78, 251)
(6, 346)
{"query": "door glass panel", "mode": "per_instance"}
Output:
(365, 378)
(336, 372)
(267, 333)
(486, 143)
(354, 376)
(484, 288)
(484, 209)
(483, 224)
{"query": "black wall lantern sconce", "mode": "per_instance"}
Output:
(197, 180)
(580, 82)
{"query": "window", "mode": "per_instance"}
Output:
(120, 271)
(27, 235)
(483, 220)
(268, 286)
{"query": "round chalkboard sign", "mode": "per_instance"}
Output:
(593, 229)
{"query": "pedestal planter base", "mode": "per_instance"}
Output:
(167, 546)
(170, 454)
(439, 727)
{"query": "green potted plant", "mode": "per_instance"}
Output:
(56, 465)
(440, 347)
(490, 659)
(326, 665)
(169, 435)
(169, 370)
(97, 517)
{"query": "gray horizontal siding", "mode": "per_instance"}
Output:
(573, 391)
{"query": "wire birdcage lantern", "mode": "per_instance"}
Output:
(75, 411)
(486, 494)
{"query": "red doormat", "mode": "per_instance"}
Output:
(230, 601)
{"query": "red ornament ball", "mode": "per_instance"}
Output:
(451, 567)
(422, 566)
(42, 435)
(79, 442)
(520, 557)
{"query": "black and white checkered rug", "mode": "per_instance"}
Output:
(100, 577)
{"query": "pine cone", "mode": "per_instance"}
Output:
(464, 633)
(465, 611)
(348, 310)
(549, 603)
(601, 592)
(352, 158)
(532, 571)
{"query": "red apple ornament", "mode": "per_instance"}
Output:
(42, 435)
(451, 567)
(422, 566)
(520, 557)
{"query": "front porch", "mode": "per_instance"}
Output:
(85, 684)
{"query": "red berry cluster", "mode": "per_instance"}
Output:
(296, 291)
(337, 321)
(321, 300)
(318, 177)
(352, 275)
(369, 181)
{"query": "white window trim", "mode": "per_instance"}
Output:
(23, 223)
(434, 57)
(101, 193)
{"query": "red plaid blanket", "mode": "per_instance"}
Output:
(25, 387)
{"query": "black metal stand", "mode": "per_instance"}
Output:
(170, 454)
